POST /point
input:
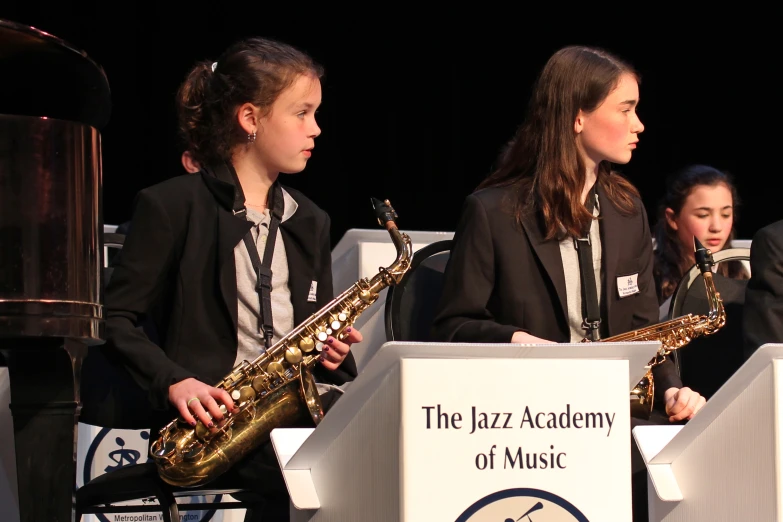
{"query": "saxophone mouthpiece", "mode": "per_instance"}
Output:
(384, 212)
(703, 256)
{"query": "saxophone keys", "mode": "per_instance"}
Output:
(165, 450)
(193, 453)
(246, 393)
(342, 317)
(307, 345)
(259, 383)
(275, 368)
(322, 336)
(334, 323)
(202, 432)
(243, 394)
(293, 355)
(319, 346)
(365, 296)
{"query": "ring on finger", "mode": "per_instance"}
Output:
(191, 400)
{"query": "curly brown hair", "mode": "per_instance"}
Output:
(254, 70)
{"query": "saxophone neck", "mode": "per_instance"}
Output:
(402, 242)
(704, 260)
(716, 313)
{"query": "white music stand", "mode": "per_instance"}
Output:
(725, 463)
(373, 457)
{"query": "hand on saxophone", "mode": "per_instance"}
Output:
(335, 351)
(682, 403)
(194, 400)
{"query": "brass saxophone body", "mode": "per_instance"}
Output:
(674, 334)
(276, 389)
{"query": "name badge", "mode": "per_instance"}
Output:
(628, 285)
(313, 291)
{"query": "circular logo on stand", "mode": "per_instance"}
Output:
(111, 453)
(522, 505)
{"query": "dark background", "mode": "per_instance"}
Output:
(415, 109)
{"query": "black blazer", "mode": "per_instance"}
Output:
(502, 278)
(177, 271)
(763, 310)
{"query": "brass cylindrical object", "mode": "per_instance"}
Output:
(50, 229)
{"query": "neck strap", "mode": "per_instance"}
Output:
(591, 321)
(225, 172)
(263, 269)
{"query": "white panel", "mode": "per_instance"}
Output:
(726, 472)
(365, 457)
(286, 441)
(480, 438)
(778, 397)
(9, 504)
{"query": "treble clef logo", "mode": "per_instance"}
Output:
(123, 456)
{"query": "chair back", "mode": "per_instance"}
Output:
(706, 363)
(410, 305)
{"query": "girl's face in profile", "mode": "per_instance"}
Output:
(707, 214)
(286, 135)
(611, 131)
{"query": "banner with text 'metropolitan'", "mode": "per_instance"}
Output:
(103, 450)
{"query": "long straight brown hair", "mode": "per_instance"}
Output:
(542, 162)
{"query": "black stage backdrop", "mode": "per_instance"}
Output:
(415, 109)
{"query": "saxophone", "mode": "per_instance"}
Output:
(276, 389)
(674, 334)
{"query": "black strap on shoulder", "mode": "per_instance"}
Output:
(225, 172)
(264, 269)
(590, 311)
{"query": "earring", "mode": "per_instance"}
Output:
(251, 138)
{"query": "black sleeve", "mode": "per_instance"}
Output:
(469, 280)
(762, 321)
(648, 310)
(325, 293)
(140, 276)
(648, 313)
(665, 377)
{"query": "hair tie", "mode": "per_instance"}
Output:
(214, 66)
